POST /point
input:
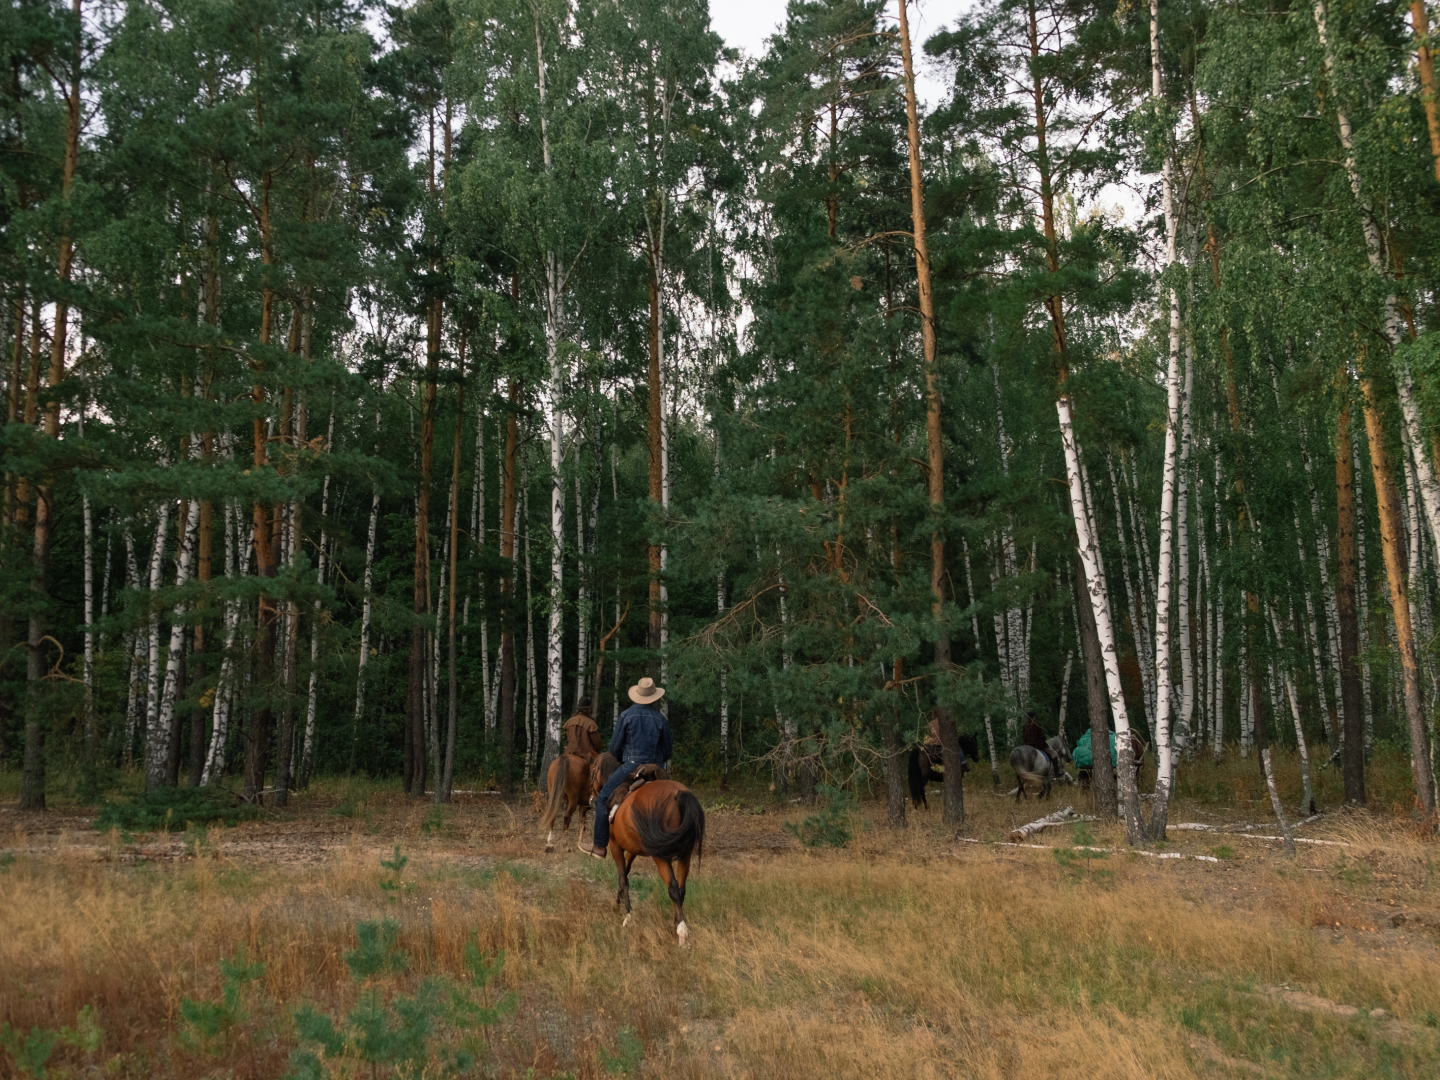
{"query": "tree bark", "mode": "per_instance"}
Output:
(1391, 540)
(414, 778)
(1102, 773)
(32, 781)
(894, 768)
(1426, 63)
(935, 461)
(447, 775)
(1163, 584)
(507, 598)
(1351, 700)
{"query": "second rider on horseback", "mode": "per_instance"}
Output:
(642, 737)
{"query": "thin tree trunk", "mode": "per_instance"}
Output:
(307, 753)
(507, 606)
(954, 813)
(1426, 64)
(365, 612)
(532, 686)
(1182, 555)
(225, 685)
(32, 780)
(447, 776)
(157, 742)
(1391, 536)
(1163, 582)
(1289, 686)
(1103, 779)
(975, 629)
(894, 769)
(478, 534)
(1136, 588)
(1351, 699)
(90, 727)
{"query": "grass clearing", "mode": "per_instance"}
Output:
(894, 956)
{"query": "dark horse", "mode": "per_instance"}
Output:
(920, 769)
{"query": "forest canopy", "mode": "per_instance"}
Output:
(383, 379)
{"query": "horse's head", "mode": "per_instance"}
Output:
(1059, 748)
(971, 745)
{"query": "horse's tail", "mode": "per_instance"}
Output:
(559, 780)
(677, 843)
(916, 779)
(608, 764)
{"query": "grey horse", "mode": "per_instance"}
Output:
(1040, 766)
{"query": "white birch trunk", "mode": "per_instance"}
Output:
(1100, 605)
(225, 683)
(479, 532)
(1247, 720)
(1299, 727)
(1065, 687)
(1327, 594)
(582, 592)
(975, 629)
(307, 754)
(1362, 588)
(554, 642)
(554, 288)
(1141, 636)
(1002, 651)
(1012, 649)
(157, 742)
(1163, 581)
(724, 671)
(137, 658)
(1186, 724)
(157, 570)
(532, 735)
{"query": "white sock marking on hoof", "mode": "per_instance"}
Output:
(682, 932)
(625, 923)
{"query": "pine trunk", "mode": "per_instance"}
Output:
(954, 813)
(1392, 541)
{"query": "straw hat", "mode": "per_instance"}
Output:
(645, 691)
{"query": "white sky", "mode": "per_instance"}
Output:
(745, 24)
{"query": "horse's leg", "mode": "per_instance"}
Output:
(622, 867)
(674, 886)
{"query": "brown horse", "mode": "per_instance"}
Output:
(568, 782)
(662, 820)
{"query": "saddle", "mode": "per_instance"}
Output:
(642, 775)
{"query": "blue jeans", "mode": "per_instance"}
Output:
(602, 801)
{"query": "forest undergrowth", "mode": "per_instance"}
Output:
(909, 954)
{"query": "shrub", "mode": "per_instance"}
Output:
(167, 809)
(831, 827)
(31, 1053)
(398, 1032)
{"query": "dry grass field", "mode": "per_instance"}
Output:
(912, 955)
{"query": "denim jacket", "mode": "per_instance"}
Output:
(642, 736)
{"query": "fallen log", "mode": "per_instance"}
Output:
(1059, 817)
(1170, 855)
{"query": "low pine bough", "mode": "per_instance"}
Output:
(173, 809)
